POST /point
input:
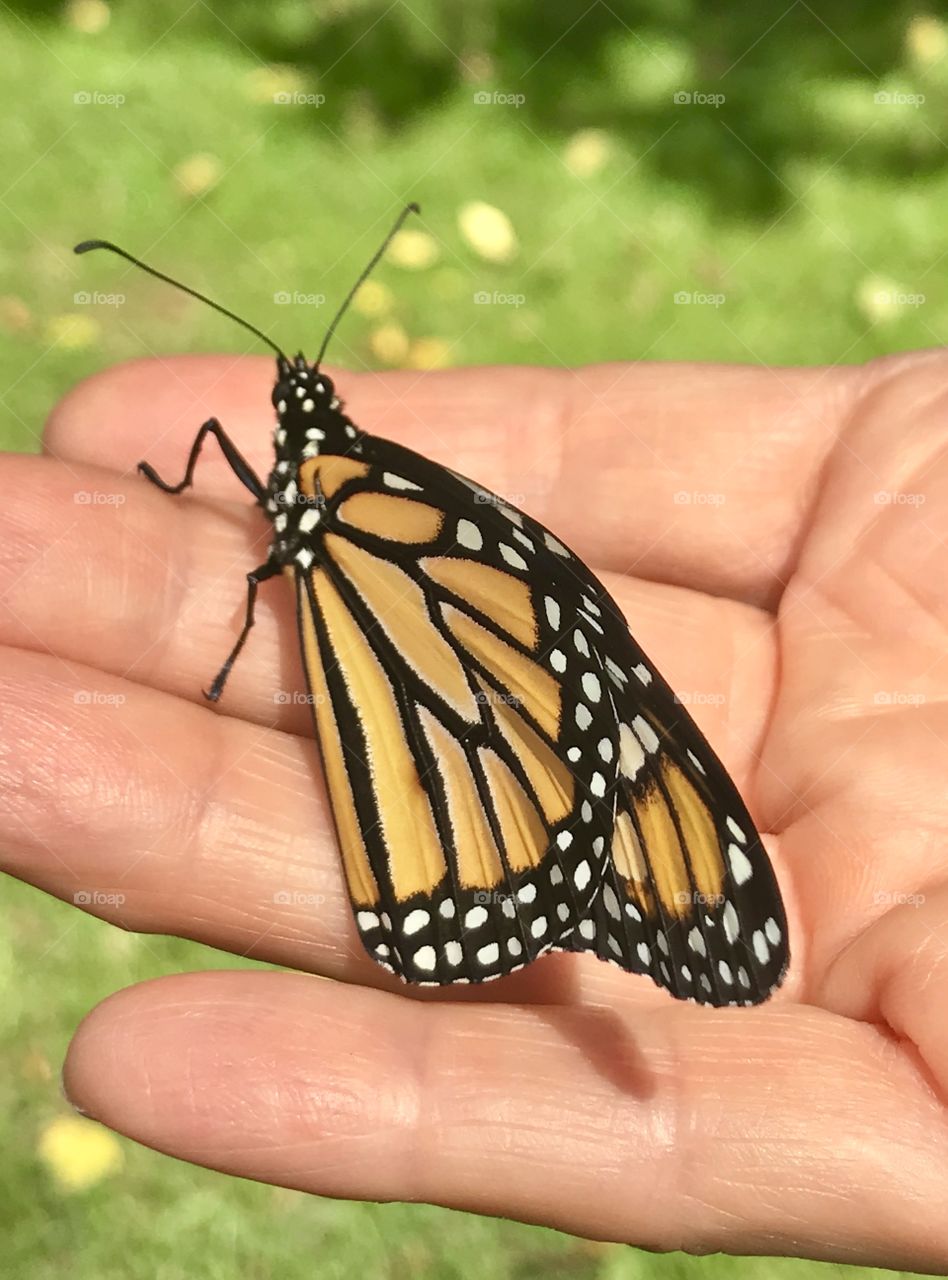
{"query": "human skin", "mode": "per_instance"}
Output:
(779, 542)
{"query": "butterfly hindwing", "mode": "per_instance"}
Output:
(689, 896)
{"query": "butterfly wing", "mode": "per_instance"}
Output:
(509, 774)
(471, 762)
(688, 895)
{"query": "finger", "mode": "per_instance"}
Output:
(679, 1129)
(162, 592)
(696, 475)
(164, 817)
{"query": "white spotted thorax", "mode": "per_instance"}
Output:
(309, 421)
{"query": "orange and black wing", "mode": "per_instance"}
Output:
(688, 895)
(509, 774)
(471, 761)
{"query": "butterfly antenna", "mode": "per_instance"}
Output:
(409, 208)
(86, 245)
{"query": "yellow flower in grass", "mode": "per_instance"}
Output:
(413, 249)
(488, 231)
(196, 175)
(72, 331)
(79, 1153)
(389, 343)
(373, 299)
(428, 353)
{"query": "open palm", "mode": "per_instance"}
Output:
(778, 542)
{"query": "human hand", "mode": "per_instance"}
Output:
(735, 515)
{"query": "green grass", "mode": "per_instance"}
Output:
(799, 199)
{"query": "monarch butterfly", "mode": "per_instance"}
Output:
(509, 774)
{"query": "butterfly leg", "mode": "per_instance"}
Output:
(254, 578)
(238, 463)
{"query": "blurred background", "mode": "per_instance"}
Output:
(599, 181)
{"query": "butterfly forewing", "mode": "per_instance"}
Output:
(463, 715)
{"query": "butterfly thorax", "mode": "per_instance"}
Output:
(310, 422)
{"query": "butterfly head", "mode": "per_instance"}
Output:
(308, 410)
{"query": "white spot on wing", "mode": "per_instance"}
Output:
(415, 920)
(645, 733)
(469, 535)
(592, 687)
(513, 558)
(631, 755)
(736, 831)
(732, 925)
(741, 868)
